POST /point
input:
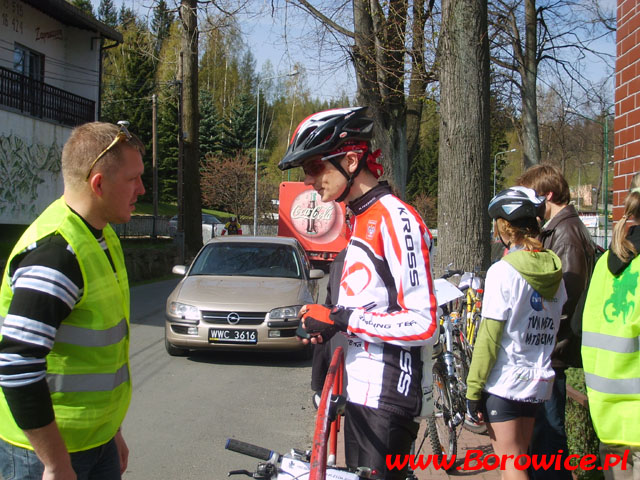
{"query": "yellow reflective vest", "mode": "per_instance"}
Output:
(611, 352)
(88, 368)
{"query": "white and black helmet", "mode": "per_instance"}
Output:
(517, 203)
(324, 132)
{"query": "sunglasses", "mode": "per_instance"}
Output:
(314, 167)
(123, 135)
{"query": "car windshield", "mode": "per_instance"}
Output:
(248, 259)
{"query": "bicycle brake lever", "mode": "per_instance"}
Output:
(240, 472)
(337, 404)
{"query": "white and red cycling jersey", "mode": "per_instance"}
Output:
(386, 278)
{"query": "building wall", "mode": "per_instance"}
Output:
(30, 148)
(627, 98)
(71, 55)
(30, 152)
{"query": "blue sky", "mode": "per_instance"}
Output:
(326, 76)
(264, 37)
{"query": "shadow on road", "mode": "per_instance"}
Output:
(261, 359)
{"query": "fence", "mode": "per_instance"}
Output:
(149, 226)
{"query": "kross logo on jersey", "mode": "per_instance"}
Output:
(355, 278)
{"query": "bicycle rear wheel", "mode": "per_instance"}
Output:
(444, 440)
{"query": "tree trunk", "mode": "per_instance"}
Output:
(529, 73)
(379, 74)
(417, 82)
(191, 122)
(464, 164)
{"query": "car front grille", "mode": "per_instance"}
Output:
(246, 318)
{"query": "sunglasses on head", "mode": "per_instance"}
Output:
(123, 134)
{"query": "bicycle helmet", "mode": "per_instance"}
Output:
(324, 132)
(516, 203)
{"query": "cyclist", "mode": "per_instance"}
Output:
(232, 227)
(386, 304)
(510, 373)
(565, 235)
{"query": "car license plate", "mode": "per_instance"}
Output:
(228, 335)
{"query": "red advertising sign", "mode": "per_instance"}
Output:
(319, 226)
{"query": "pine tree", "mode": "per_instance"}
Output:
(84, 5)
(129, 84)
(161, 24)
(107, 13)
(239, 128)
(210, 126)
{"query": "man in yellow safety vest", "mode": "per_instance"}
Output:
(64, 310)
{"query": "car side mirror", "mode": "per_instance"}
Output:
(314, 273)
(179, 270)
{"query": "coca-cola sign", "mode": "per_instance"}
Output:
(316, 213)
(311, 217)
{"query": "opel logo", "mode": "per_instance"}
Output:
(233, 318)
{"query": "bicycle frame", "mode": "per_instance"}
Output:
(326, 427)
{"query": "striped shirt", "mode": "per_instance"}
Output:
(47, 284)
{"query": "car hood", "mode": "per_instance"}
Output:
(221, 292)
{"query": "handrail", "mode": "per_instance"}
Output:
(38, 99)
(578, 396)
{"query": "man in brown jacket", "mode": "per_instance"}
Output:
(564, 234)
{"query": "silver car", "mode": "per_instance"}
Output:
(241, 293)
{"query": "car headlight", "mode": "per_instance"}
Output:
(184, 311)
(283, 313)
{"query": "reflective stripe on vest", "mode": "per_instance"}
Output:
(610, 342)
(86, 337)
(614, 386)
(90, 382)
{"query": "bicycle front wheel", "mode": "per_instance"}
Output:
(441, 429)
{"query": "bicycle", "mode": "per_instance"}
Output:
(307, 464)
(472, 284)
(449, 371)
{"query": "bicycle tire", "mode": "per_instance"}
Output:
(441, 420)
(318, 463)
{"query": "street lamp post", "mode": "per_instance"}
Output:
(255, 196)
(605, 132)
(495, 159)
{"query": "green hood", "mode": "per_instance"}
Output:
(542, 270)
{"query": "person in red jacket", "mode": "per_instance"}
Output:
(386, 305)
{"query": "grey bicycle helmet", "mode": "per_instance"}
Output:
(516, 203)
(324, 132)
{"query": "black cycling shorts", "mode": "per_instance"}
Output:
(498, 409)
(370, 434)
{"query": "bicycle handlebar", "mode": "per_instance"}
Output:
(451, 273)
(250, 449)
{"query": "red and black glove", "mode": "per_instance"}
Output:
(319, 318)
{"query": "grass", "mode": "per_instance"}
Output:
(171, 209)
(581, 437)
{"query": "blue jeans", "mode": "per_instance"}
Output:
(549, 434)
(99, 463)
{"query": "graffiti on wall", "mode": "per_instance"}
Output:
(23, 168)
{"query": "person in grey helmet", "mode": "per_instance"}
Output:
(510, 375)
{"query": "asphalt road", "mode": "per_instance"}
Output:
(184, 408)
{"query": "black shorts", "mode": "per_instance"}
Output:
(370, 434)
(498, 409)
